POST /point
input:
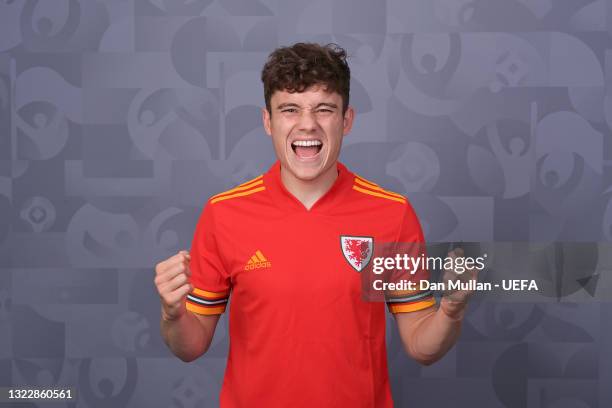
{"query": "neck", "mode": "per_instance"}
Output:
(308, 192)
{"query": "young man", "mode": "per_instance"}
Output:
(300, 332)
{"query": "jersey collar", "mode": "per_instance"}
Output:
(287, 201)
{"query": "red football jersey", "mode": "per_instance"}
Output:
(300, 332)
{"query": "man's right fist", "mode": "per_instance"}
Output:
(172, 282)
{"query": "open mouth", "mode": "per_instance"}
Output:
(305, 149)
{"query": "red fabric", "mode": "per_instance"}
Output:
(300, 333)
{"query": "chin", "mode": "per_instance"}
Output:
(304, 173)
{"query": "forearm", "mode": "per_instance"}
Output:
(184, 336)
(434, 334)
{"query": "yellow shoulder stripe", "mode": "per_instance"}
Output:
(377, 188)
(377, 194)
(250, 181)
(238, 194)
(365, 180)
(241, 187)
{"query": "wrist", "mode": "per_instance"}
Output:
(166, 317)
(452, 309)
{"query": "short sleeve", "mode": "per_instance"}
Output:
(410, 240)
(209, 277)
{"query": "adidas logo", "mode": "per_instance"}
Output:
(257, 261)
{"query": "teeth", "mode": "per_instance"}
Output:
(306, 143)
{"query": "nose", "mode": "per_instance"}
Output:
(307, 121)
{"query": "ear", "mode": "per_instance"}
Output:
(265, 117)
(349, 115)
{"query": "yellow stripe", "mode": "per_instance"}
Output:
(366, 180)
(244, 193)
(205, 310)
(260, 256)
(375, 194)
(239, 188)
(250, 261)
(254, 259)
(412, 307)
(375, 187)
(210, 295)
(250, 181)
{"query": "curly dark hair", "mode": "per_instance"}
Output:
(301, 65)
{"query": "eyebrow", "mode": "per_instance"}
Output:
(295, 105)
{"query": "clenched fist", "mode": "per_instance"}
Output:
(172, 282)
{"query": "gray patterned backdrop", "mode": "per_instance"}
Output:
(119, 118)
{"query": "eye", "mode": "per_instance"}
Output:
(289, 110)
(325, 110)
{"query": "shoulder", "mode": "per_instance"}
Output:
(239, 194)
(373, 195)
(227, 205)
(370, 191)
